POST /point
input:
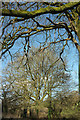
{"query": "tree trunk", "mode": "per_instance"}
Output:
(79, 80)
(30, 115)
(79, 73)
(78, 29)
(25, 113)
(37, 111)
(49, 114)
(79, 63)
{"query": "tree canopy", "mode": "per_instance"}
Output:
(19, 13)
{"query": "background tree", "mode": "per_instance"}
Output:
(29, 87)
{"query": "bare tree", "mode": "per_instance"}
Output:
(29, 86)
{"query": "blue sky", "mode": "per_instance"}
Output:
(70, 53)
(72, 57)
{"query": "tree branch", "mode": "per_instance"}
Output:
(27, 14)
